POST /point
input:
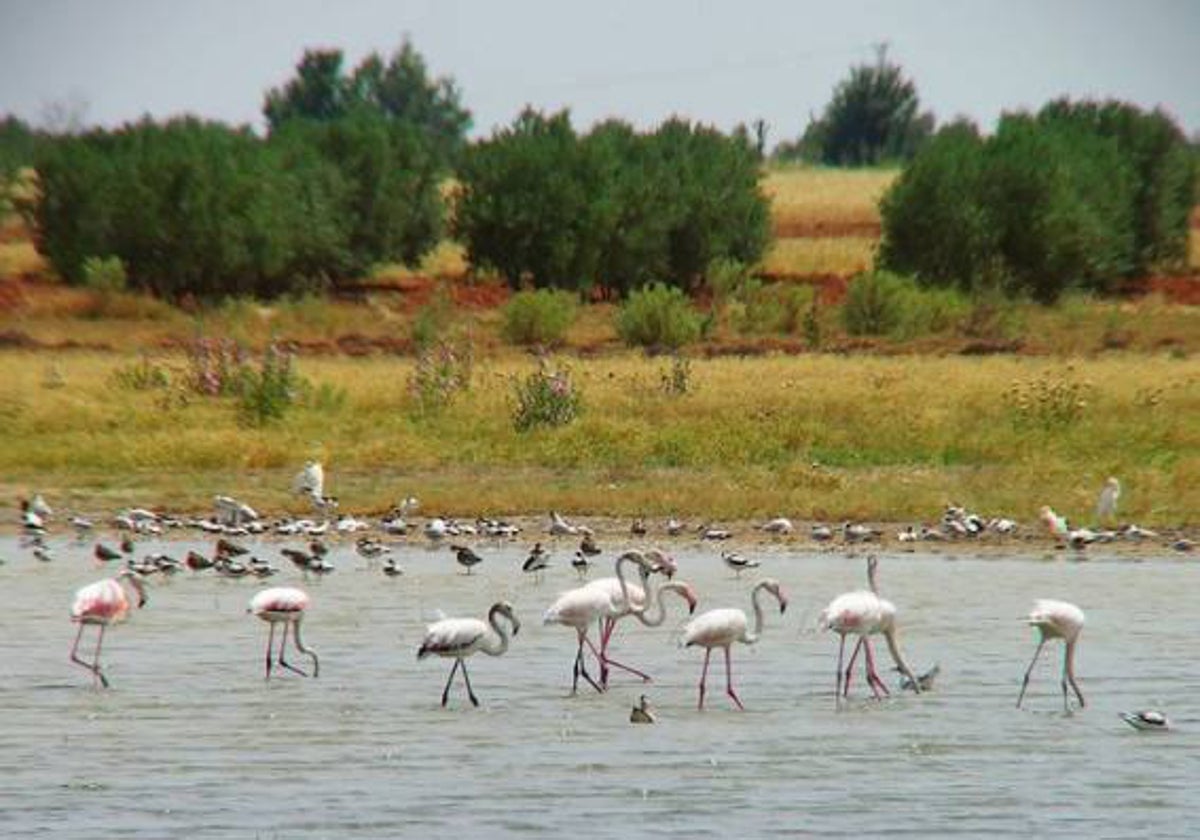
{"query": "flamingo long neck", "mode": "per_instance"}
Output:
(650, 618)
(501, 632)
(889, 636)
(871, 578)
(631, 557)
(752, 637)
(139, 589)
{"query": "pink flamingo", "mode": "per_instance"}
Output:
(1056, 620)
(721, 628)
(458, 638)
(103, 603)
(637, 602)
(579, 607)
(863, 613)
(284, 605)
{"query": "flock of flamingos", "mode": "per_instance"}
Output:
(634, 591)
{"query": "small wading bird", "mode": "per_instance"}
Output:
(466, 558)
(1056, 620)
(642, 713)
(103, 603)
(863, 613)
(458, 638)
(738, 563)
(1147, 720)
(721, 628)
(537, 561)
(284, 605)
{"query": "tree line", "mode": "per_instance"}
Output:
(354, 168)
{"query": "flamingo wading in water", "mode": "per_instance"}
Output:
(1056, 620)
(284, 605)
(103, 603)
(721, 628)
(579, 607)
(458, 638)
(863, 613)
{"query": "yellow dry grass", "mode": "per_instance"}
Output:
(821, 437)
(841, 255)
(807, 196)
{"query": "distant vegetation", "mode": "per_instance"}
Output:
(1079, 195)
(369, 166)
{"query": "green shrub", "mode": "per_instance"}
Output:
(443, 371)
(546, 397)
(142, 375)
(539, 317)
(104, 274)
(658, 316)
(874, 303)
(266, 393)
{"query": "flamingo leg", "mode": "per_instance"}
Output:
(850, 666)
(1029, 670)
(270, 645)
(96, 659)
(467, 680)
(283, 647)
(729, 680)
(873, 678)
(1069, 676)
(307, 651)
(837, 692)
(91, 666)
(446, 690)
(580, 668)
(703, 676)
(604, 627)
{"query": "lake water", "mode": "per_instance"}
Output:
(191, 741)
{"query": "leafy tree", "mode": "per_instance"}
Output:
(522, 207)
(1153, 145)
(319, 91)
(17, 142)
(399, 90)
(874, 117)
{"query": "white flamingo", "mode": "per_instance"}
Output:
(863, 613)
(656, 561)
(1056, 620)
(721, 628)
(284, 605)
(579, 607)
(100, 604)
(458, 638)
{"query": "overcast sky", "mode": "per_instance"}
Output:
(640, 60)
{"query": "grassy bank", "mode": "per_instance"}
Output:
(822, 437)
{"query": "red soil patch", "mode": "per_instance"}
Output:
(818, 228)
(1183, 290)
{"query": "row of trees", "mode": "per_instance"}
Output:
(1078, 195)
(353, 170)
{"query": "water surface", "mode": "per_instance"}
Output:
(191, 741)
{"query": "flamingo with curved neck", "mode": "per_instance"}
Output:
(722, 627)
(458, 638)
(631, 599)
(579, 607)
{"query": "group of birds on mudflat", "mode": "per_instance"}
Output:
(861, 614)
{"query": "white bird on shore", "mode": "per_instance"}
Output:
(310, 481)
(560, 527)
(778, 525)
(1106, 505)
